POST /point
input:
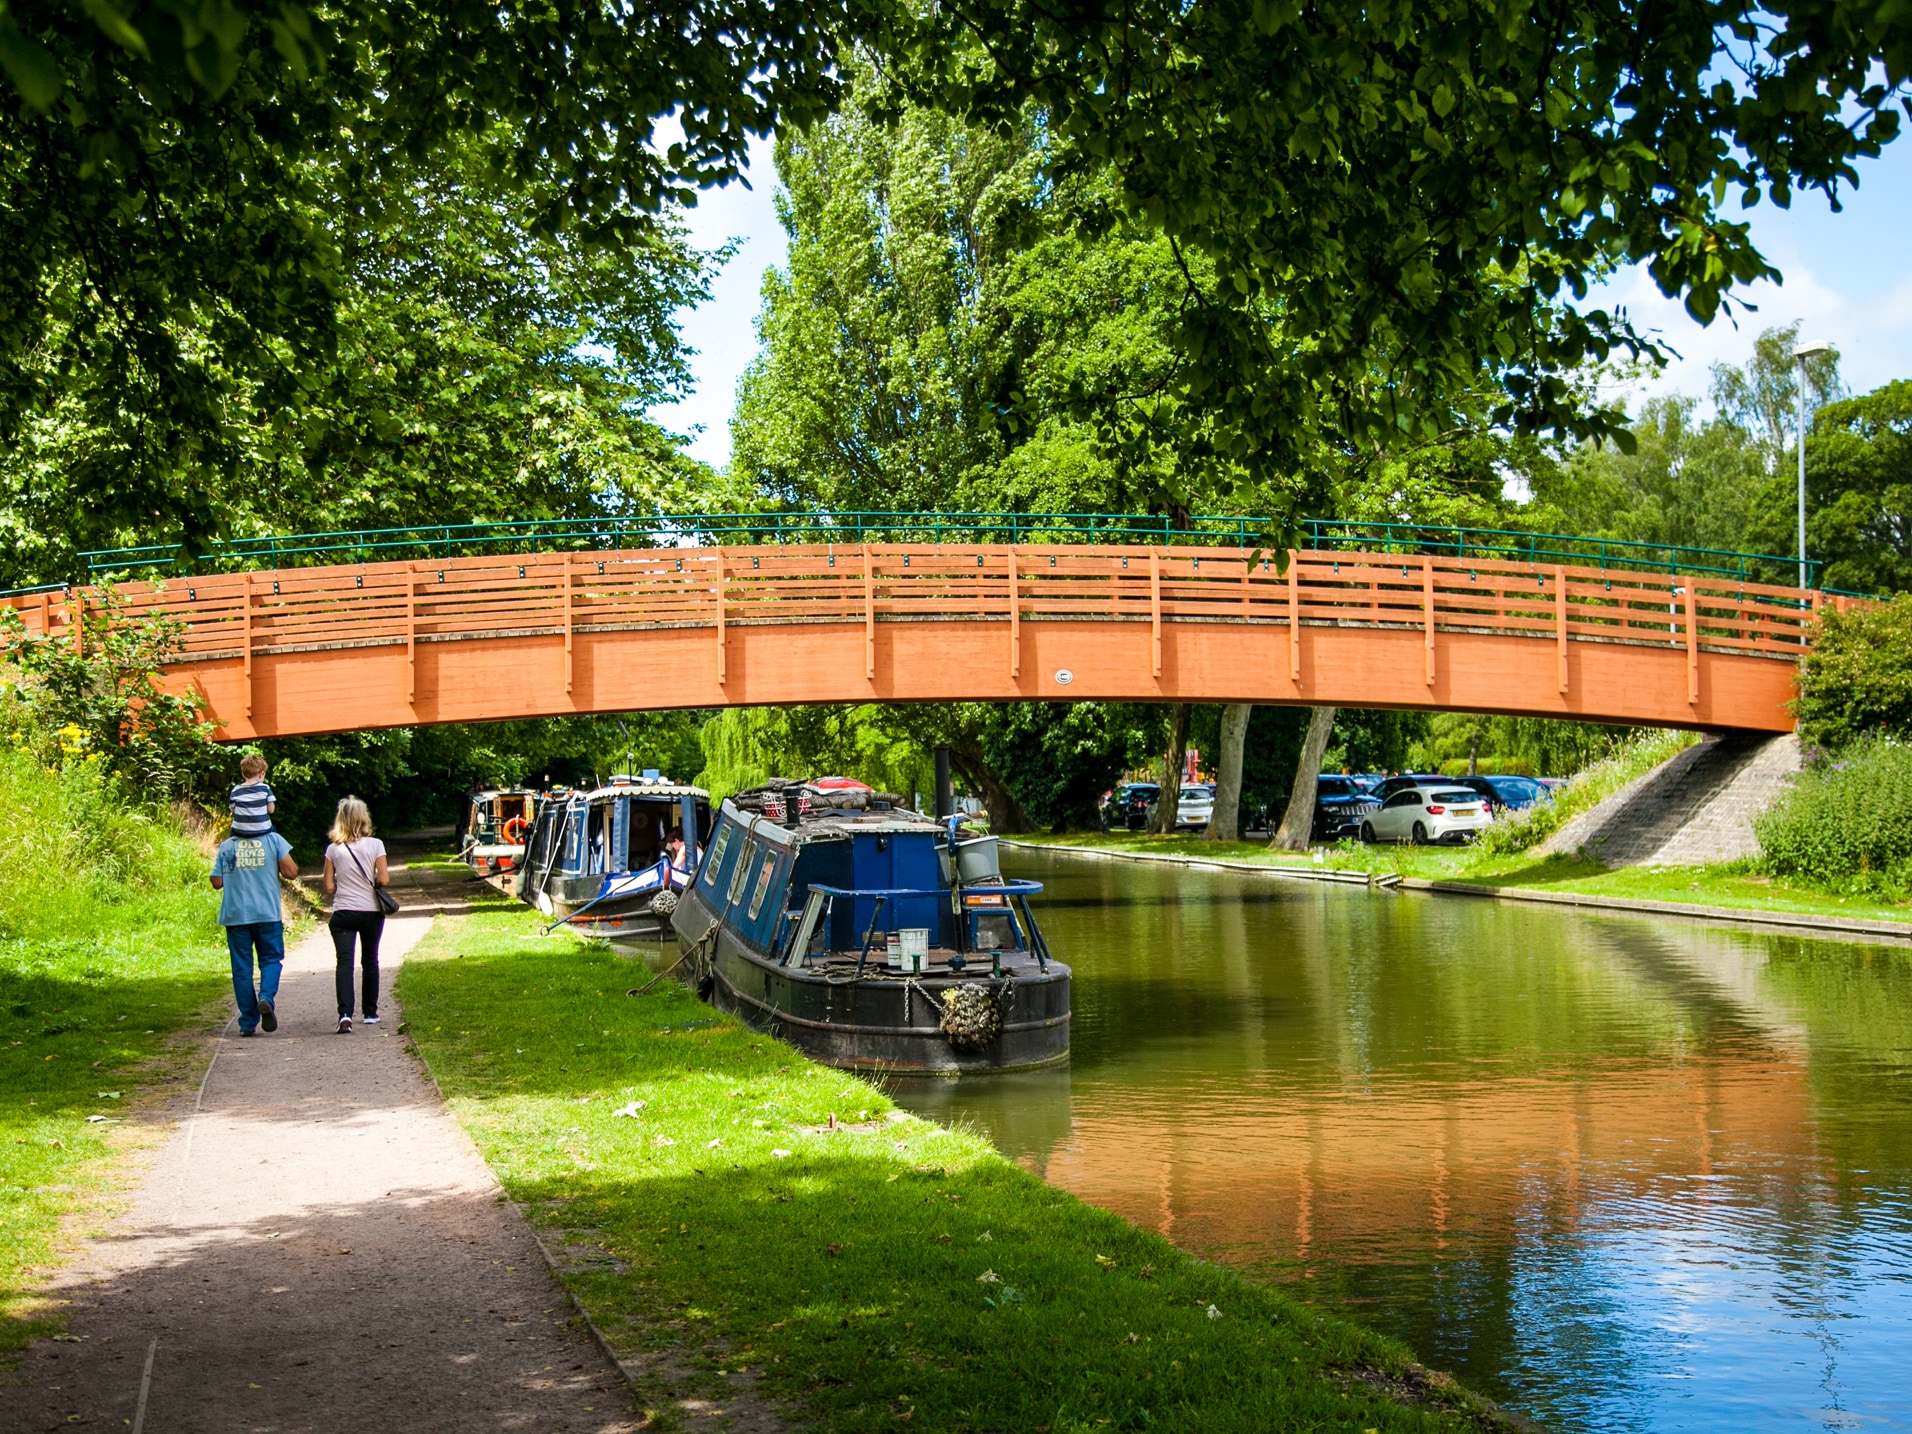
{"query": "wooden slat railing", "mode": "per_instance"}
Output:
(301, 609)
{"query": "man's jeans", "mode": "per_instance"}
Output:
(269, 938)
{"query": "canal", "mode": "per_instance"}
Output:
(1621, 1174)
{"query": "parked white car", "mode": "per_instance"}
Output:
(1196, 806)
(1428, 814)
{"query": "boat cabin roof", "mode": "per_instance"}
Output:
(659, 790)
(831, 824)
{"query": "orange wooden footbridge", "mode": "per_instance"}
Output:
(619, 625)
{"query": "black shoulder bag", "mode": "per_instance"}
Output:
(387, 903)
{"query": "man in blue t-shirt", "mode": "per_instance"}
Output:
(246, 875)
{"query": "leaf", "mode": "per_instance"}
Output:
(30, 65)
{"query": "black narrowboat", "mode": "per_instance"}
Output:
(610, 862)
(870, 936)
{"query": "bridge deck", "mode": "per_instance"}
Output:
(314, 649)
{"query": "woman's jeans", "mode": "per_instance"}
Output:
(365, 927)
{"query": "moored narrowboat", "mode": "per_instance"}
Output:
(610, 862)
(497, 822)
(871, 936)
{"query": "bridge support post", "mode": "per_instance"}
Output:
(721, 635)
(245, 597)
(1427, 612)
(1692, 648)
(1560, 625)
(411, 633)
(869, 615)
(1015, 624)
(1155, 609)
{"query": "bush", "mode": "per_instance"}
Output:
(1846, 824)
(1857, 679)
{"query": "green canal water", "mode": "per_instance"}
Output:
(1621, 1174)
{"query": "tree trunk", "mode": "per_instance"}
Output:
(1006, 816)
(1178, 716)
(1473, 752)
(1297, 823)
(1224, 825)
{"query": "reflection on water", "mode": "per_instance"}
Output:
(1620, 1174)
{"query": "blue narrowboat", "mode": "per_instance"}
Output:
(870, 936)
(611, 862)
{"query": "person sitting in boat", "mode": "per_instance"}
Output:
(678, 857)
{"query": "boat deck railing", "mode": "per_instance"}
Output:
(1011, 890)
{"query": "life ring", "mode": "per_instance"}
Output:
(514, 830)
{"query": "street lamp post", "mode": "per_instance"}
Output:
(1800, 355)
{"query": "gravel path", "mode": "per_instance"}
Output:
(318, 1246)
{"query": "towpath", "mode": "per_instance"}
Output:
(318, 1246)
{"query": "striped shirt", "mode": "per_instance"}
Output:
(251, 804)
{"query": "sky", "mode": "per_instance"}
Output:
(1847, 275)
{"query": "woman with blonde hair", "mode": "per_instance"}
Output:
(355, 874)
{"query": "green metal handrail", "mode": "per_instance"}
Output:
(710, 529)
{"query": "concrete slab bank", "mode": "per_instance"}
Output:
(318, 1246)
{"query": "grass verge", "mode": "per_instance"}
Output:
(887, 1271)
(109, 946)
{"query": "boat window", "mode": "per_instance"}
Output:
(763, 883)
(739, 874)
(714, 867)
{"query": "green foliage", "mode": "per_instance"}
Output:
(1856, 680)
(1859, 490)
(1059, 758)
(1846, 824)
(1687, 483)
(744, 746)
(103, 700)
(1530, 746)
(108, 945)
(483, 368)
(418, 776)
(945, 335)
(1375, 214)
(190, 202)
(1393, 198)
(1003, 1303)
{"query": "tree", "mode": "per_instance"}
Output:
(483, 370)
(1174, 756)
(945, 337)
(1394, 196)
(1297, 822)
(1859, 491)
(167, 161)
(1856, 680)
(1373, 208)
(1225, 823)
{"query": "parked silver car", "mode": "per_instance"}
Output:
(1196, 807)
(1428, 813)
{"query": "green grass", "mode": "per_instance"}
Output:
(890, 1272)
(108, 947)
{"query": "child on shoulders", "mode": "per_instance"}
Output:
(251, 802)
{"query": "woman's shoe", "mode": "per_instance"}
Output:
(345, 1025)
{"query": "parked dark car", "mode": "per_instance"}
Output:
(1341, 805)
(1390, 785)
(1130, 806)
(1509, 794)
